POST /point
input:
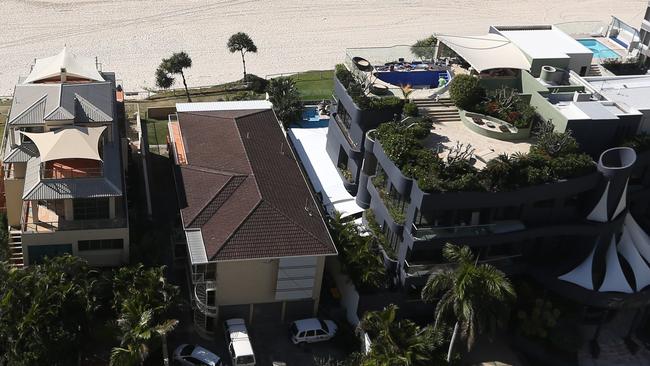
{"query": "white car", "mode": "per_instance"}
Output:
(193, 355)
(239, 345)
(312, 330)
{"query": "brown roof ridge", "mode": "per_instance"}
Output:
(213, 171)
(211, 115)
(213, 205)
(248, 215)
(294, 222)
(248, 160)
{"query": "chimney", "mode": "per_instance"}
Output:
(64, 75)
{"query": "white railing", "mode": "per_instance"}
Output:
(200, 297)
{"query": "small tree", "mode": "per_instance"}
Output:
(476, 295)
(425, 48)
(553, 143)
(465, 92)
(172, 66)
(242, 43)
(286, 100)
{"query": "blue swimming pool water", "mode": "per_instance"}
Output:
(599, 50)
(414, 78)
(311, 118)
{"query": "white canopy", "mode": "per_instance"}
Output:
(490, 51)
(77, 66)
(70, 143)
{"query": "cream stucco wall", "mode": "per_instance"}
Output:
(254, 281)
(14, 202)
(98, 258)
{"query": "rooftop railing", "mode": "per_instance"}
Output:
(69, 172)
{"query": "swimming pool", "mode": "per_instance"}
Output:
(416, 78)
(599, 50)
(311, 118)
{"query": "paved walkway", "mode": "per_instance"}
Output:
(613, 351)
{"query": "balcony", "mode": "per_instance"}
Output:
(429, 233)
(49, 221)
(345, 130)
(71, 168)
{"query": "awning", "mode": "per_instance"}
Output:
(50, 67)
(490, 51)
(69, 143)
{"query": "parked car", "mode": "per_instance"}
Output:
(312, 330)
(239, 345)
(193, 355)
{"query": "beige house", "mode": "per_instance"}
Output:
(62, 164)
(256, 238)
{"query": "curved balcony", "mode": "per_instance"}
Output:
(201, 297)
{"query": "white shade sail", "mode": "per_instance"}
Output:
(490, 51)
(69, 143)
(77, 66)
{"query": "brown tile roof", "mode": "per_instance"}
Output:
(244, 189)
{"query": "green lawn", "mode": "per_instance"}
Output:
(315, 85)
(156, 131)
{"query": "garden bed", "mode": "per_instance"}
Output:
(493, 127)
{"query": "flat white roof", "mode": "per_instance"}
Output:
(633, 91)
(544, 43)
(310, 146)
(223, 106)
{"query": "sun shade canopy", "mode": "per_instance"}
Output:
(490, 51)
(76, 66)
(69, 143)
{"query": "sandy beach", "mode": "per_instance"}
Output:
(131, 36)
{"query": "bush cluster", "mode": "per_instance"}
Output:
(402, 143)
(256, 83)
(639, 143)
(465, 92)
(358, 94)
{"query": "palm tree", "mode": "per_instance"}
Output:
(173, 65)
(138, 330)
(476, 295)
(242, 43)
(285, 97)
(396, 342)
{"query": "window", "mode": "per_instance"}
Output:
(302, 334)
(343, 115)
(90, 208)
(187, 350)
(103, 244)
(320, 332)
(647, 14)
(311, 333)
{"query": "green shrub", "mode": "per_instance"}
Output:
(465, 92)
(256, 83)
(358, 94)
(639, 143)
(410, 109)
(572, 165)
(631, 67)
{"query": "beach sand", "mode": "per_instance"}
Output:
(131, 36)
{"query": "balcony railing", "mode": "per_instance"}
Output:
(200, 297)
(345, 131)
(58, 223)
(68, 172)
(430, 233)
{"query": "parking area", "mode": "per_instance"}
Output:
(270, 343)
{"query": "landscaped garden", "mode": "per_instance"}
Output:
(554, 156)
(498, 111)
(359, 92)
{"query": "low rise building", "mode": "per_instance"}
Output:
(255, 234)
(63, 165)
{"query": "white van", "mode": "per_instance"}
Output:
(239, 345)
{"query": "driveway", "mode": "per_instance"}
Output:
(270, 342)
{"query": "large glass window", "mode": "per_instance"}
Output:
(343, 115)
(90, 208)
(104, 244)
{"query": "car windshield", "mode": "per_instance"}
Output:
(187, 350)
(324, 325)
(294, 329)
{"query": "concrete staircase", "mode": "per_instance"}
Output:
(594, 70)
(440, 111)
(16, 258)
